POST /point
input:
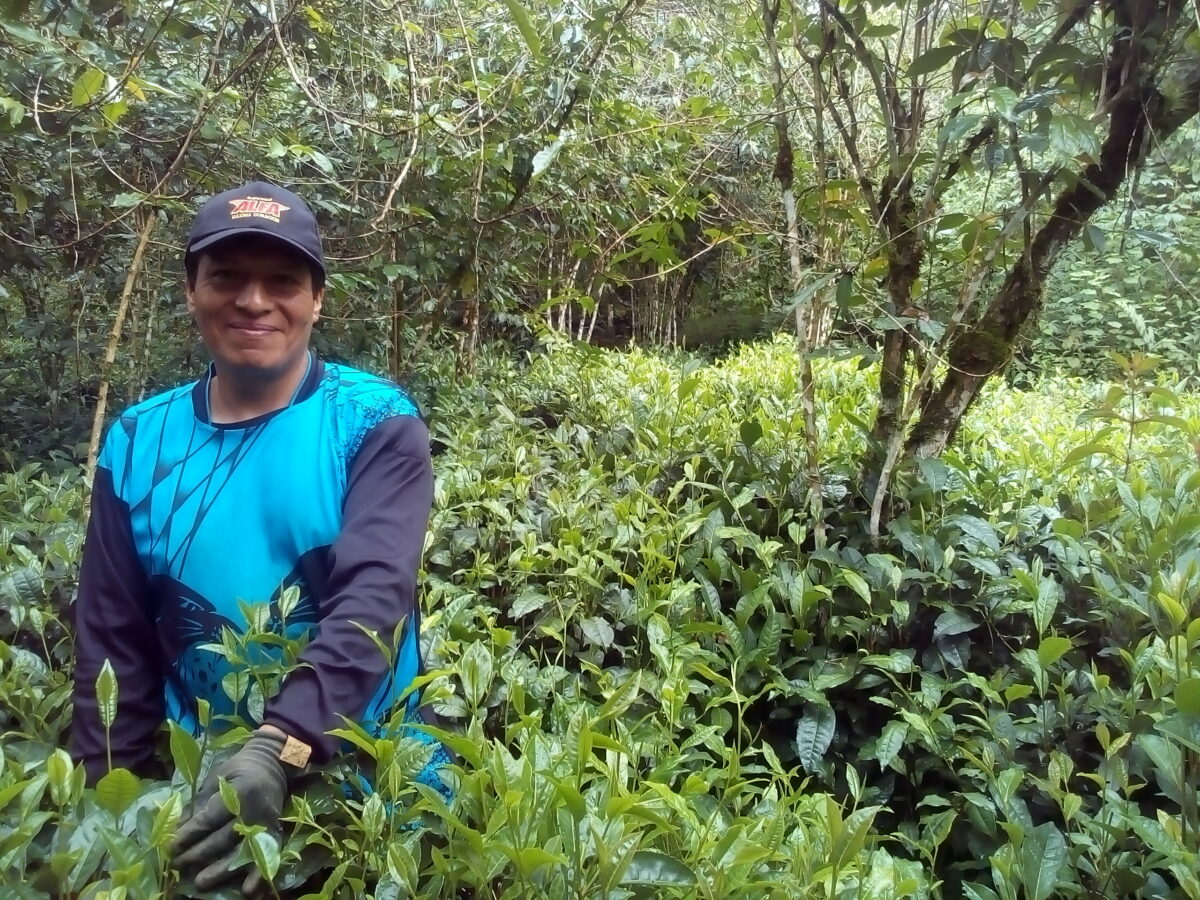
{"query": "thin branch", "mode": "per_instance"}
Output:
(416, 132)
(883, 95)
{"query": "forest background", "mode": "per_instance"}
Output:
(813, 392)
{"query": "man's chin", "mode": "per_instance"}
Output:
(253, 368)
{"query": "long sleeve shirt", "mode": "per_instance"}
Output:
(193, 523)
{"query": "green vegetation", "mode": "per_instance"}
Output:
(903, 604)
(658, 687)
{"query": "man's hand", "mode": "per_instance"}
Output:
(207, 841)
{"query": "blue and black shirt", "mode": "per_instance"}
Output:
(191, 521)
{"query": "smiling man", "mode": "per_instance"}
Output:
(276, 478)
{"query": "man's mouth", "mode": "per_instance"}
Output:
(251, 328)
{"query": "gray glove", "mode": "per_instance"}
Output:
(206, 841)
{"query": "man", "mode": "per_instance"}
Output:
(273, 473)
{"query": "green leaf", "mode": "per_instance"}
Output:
(1052, 649)
(1182, 728)
(185, 752)
(114, 111)
(852, 836)
(229, 796)
(264, 848)
(1094, 237)
(1036, 100)
(1187, 696)
(977, 528)
(1045, 605)
(525, 25)
(15, 110)
(1081, 453)
(545, 156)
(952, 622)
(1042, 854)
(27, 34)
(935, 472)
(857, 584)
(890, 742)
(845, 290)
(807, 292)
(477, 672)
(288, 601)
(89, 86)
(165, 820)
(598, 632)
(932, 60)
(814, 734)
(323, 162)
(106, 694)
(750, 431)
(58, 770)
(649, 867)
(117, 790)
(22, 588)
(528, 601)
(1167, 759)
(958, 128)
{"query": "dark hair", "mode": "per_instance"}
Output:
(191, 265)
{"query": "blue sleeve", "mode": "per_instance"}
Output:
(113, 620)
(372, 583)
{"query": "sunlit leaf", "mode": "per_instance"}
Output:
(89, 87)
(117, 790)
(521, 17)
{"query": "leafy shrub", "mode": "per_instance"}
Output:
(657, 686)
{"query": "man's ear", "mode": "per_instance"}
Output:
(318, 299)
(190, 293)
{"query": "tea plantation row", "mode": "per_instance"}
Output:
(659, 685)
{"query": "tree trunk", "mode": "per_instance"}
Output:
(784, 174)
(978, 353)
(114, 340)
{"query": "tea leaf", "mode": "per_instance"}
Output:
(1182, 728)
(1052, 649)
(814, 734)
(106, 694)
(598, 632)
(264, 848)
(890, 742)
(185, 753)
(229, 796)
(650, 867)
(525, 26)
(1042, 854)
(952, 622)
(1187, 696)
(477, 673)
(117, 790)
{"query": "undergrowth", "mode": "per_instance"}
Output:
(657, 685)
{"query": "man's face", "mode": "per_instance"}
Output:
(255, 304)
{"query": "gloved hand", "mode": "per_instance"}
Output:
(206, 840)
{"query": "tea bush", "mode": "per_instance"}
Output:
(657, 685)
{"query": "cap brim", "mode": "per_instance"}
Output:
(205, 242)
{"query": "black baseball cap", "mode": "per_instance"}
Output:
(258, 208)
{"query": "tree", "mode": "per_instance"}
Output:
(1057, 108)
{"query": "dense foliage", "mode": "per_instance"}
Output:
(641, 170)
(839, 616)
(658, 687)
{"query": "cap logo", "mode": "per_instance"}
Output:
(258, 208)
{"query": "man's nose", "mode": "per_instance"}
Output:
(253, 297)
